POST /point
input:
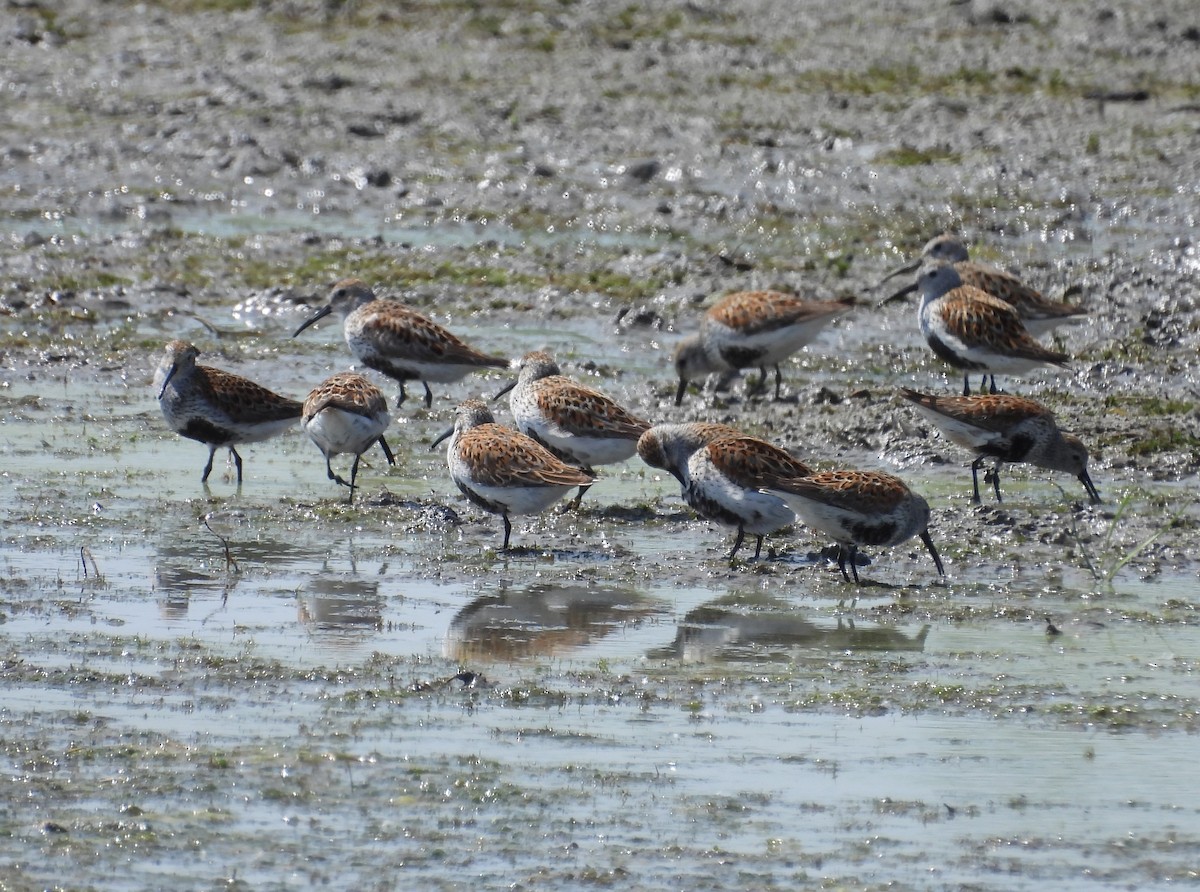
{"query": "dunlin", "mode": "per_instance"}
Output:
(578, 424)
(856, 508)
(1039, 314)
(718, 468)
(398, 341)
(751, 329)
(503, 471)
(218, 408)
(1007, 429)
(346, 413)
(973, 331)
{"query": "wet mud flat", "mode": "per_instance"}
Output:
(270, 688)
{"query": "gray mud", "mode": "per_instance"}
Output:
(268, 688)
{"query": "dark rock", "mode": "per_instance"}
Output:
(378, 177)
(643, 171)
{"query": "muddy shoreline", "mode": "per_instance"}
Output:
(360, 695)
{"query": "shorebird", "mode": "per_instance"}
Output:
(750, 329)
(580, 425)
(1039, 314)
(1007, 429)
(856, 508)
(398, 341)
(501, 470)
(346, 413)
(218, 408)
(973, 331)
(717, 467)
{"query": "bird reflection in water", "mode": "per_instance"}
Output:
(175, 585)
(713, 632)
(187, 569)
(340, 608)
(541, 620)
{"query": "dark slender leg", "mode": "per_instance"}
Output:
(993, 388)
(937, 558)
(966, 385)
(237, 460)
(737, 543)
(334, 477)
(975, 466)
(208, 467)
(507, 530)
(428, 395)
(574, 506)
(994, 474)
(402, 397)
(778, 382)
(848, 553)
(354, 476)
(758, 548)
(391, 459)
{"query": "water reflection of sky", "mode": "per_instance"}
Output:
(1002, 784)
(280, 593)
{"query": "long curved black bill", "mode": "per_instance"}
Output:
(320, 314)
(909, 267)
(391, 459)
(507, 387)
(445, 435)
(899, 295)
(937, 558)
(167, 380)
(1092, 492)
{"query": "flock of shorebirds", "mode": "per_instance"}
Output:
(976, 318)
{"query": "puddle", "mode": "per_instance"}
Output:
(256, 216)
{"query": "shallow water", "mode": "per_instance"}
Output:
(644, 731)
(372, 687)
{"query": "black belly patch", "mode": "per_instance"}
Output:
(395, 372)
(742, 357)
(947, 355)
(1012, 449)
(479, 502)
(207, 432)
(710, 509)
(872, 533)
